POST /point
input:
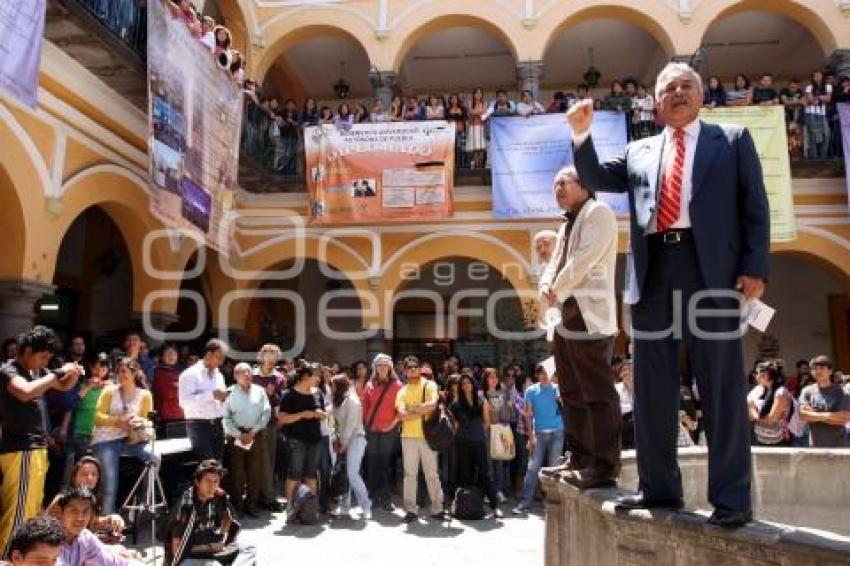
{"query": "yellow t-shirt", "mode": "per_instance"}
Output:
(412, 396)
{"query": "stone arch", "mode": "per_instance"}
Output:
(659, 22)
(415, 25)
(828, 249)
(292, 27)
(457, 243)
(123, 196)
(811, 14)
(244, 271)
(24, 182)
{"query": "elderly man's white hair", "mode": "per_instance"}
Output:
(242, 366)
(673, 71)
(545, 235)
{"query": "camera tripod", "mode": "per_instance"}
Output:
(139, 502)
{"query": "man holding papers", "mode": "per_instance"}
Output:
(580, 279)
(700, 229)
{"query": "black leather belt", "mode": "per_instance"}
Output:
(672, 237)
(207, 421)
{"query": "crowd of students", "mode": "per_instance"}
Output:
(333, 440)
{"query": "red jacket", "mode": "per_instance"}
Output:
(386, 412)
(165, 395)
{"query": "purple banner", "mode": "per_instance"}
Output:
(844, 114)
(21, 30)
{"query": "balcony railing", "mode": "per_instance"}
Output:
(126, 20)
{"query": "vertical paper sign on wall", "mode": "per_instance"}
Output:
(391, 171)
(195, 119)
(767, 127)
(21, 32)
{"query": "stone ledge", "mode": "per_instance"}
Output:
(586, 528)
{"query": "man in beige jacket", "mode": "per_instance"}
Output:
(580, 278)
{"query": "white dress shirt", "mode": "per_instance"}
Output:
(195, 392)
(692, 131)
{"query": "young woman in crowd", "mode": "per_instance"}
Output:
(500, 413)
(165, 388)
(360, 377)
(344, 117)
(715, 94)
(471, 414)
(350, 441)
(361, 113)
(742, 94)
(310, 113)
(476, 143)
(326, 116)
(82, 423)
(120, 409)
(397, 109)
(434, 110)
(769, 405)
(302, 410)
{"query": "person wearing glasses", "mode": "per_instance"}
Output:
(415, 401)
(119, 408)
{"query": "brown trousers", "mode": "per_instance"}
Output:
(591, 405)
(245, 467)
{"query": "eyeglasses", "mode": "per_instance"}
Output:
(411, 367)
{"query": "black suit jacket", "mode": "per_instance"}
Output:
(730, 217)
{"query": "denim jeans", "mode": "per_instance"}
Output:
(75, 448)
(549, 445)
(500, 471)
(109, 454)
(353, 458)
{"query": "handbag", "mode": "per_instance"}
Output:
(502, 445)
(339, 477)
(769, 434)
(141, 432)
(469, 504)
(439, 433)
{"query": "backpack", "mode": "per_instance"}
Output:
(438, 429)
(306, 506)
(469, 503)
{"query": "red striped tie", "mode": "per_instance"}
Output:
(670, 201)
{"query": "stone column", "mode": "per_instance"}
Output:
(528, 74)
(839, 62)
(157, 322)
(383, 85)
(17, 304)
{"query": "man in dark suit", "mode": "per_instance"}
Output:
(700, 239)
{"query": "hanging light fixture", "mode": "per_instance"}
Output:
(341, 87)
(592, 74)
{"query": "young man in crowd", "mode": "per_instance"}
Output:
(38, 541)
(202, 393)
(764, 94)
(273, 381)
(23, 446)
(825, 407)
(81, 547)
(135, 349)
(415, 401)
(545, 425)
(203, 529)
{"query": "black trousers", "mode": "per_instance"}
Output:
(713, 344)
(592, 416)
(473, 468)
(246, 471)
(380, 451)
(207, 438)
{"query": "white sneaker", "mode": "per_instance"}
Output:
(353, 514)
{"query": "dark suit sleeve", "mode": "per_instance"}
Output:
(754, 210)
(611, 176)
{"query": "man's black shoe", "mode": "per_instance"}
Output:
(730, 520)
(638, 501)
(441, 515)
(409, 517)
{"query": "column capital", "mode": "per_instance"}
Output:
(385, 79)
(839, 62)
(18, 298)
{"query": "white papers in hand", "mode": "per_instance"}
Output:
(758, 315)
